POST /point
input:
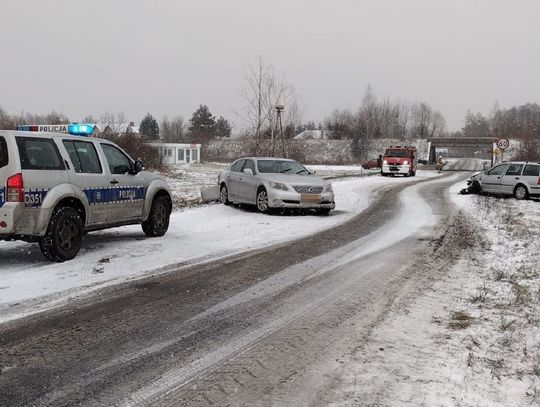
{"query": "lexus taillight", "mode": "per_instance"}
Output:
(15, 188)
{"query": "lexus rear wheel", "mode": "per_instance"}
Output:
(224, 195)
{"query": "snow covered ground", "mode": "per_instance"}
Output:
(195, 235)
(186, 181)
(473, 338)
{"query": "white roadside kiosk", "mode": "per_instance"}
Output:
(176, 153)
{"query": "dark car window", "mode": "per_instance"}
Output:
(119, 163)
(514, 169)
(280, 167)
(531, 171)
(396, 153)
(237, 166)
(39, 154)
(3, 153)
(84, 156)
(249, 164)
(498, 170)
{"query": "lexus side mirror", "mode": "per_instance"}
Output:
(248, 171)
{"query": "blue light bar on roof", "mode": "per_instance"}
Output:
(80, 129)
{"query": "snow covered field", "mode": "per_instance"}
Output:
(195, 235)
(472, 338)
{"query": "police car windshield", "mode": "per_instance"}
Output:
(396, 153)
(280, 167)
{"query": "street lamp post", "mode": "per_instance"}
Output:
(279, 109)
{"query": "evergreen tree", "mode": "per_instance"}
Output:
(203, 124)
(223, 127)
(149, 127)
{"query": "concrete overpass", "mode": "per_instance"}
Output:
(461, 147)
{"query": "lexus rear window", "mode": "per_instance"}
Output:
(39, 154)
(3, 152)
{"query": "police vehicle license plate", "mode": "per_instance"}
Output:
(310, 198)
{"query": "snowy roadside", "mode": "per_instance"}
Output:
(195, 235)
(186, 181)
(472, 338)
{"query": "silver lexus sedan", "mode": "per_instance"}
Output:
(272, 183)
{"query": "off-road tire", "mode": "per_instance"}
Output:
(63, 238)
(520, 192)
(157, 223)
(224, 195)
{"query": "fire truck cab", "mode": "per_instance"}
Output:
(399, 160)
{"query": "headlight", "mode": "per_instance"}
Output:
(328, 188)
(405, 162)
(385, 162)
(279, 185)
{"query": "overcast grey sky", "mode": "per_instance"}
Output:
(166, 57)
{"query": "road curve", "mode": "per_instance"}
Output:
(255, 329)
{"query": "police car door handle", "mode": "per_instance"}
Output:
(114, 181)
(517, 177)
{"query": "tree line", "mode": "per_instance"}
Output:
(202, 127)
(517, 122)
(272, 116)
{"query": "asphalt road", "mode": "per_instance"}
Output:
(465, 164)
(269, 327)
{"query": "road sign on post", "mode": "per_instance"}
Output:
(503, 143)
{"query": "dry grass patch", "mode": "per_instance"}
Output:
(460, 320)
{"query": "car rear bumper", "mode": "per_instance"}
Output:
(17, 221)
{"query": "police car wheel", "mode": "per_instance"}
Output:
(157, 223)
(63, 238)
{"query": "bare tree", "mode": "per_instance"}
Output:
(173, 130)
(264, 91)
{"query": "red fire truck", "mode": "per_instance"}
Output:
(399, 160)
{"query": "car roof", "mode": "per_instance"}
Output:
(265, 158)
(35, 134)
(520, 162)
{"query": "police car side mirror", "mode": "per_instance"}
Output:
(138, 166)
(248, 171)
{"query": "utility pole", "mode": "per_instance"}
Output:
(279, 109)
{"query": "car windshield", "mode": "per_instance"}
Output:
(280, 167)
(396, 153)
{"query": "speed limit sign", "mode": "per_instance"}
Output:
(503, 143)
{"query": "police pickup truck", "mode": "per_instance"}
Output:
(56, 187)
